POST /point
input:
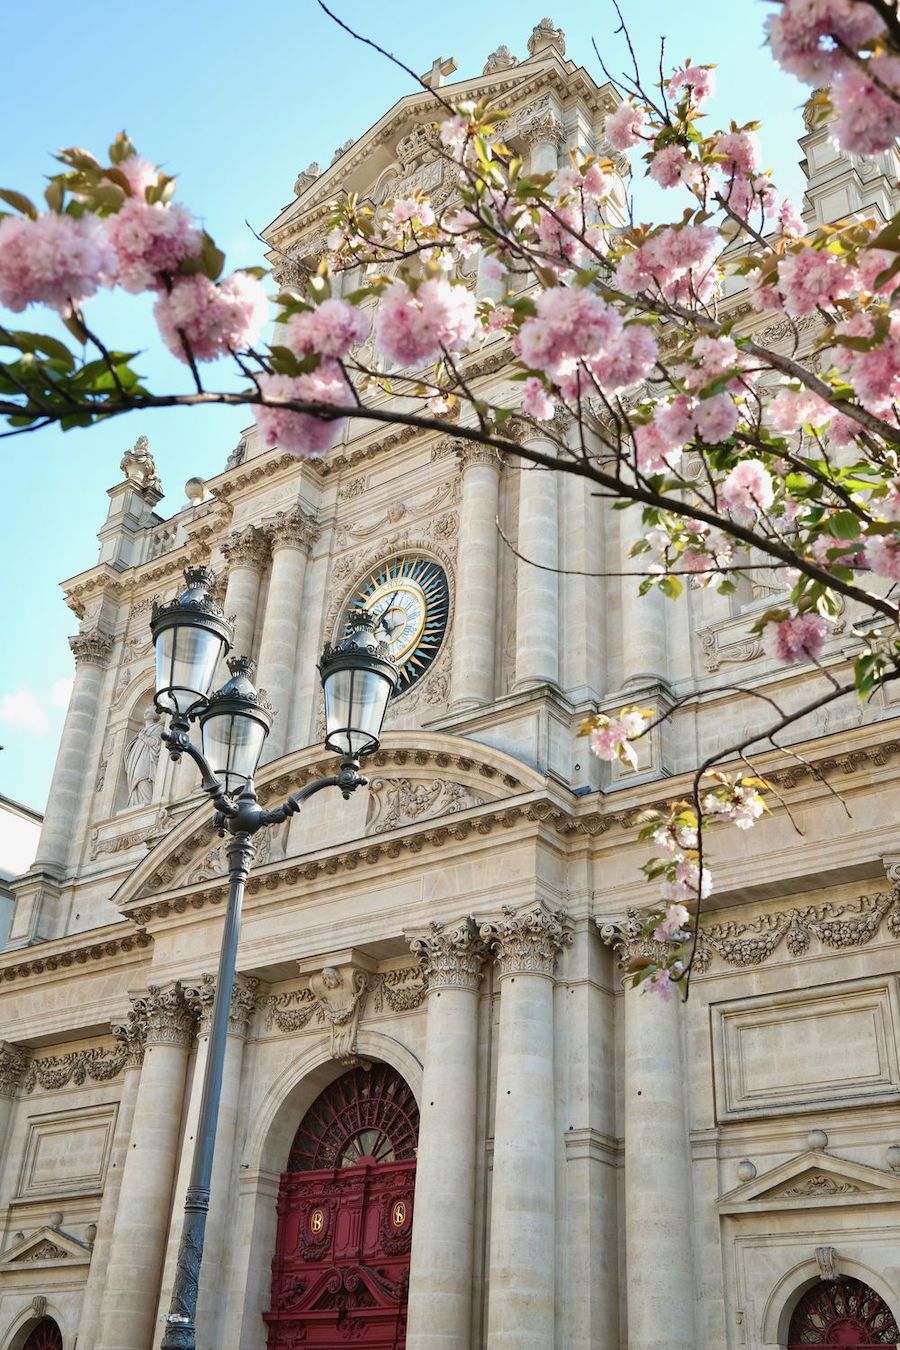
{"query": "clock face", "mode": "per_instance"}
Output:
(410, 600)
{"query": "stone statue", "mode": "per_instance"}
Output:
(340, 1000)
(141, 759)
(139, 467)
(307, 177)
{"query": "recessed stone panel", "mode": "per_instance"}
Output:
(67, 1153)
(787, 1052)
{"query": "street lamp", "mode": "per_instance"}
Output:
(190, 636)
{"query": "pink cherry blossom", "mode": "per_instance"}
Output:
(296, 432)
(888, 507)
(214, 318)
(699, 81)
(716, 418)
(597, 184)
(676, 263)
(455, 130)
(882, 555)
(672, 166)
(661, 984)
(715, 355)
(811, 278)
(790, 220)
(802, 33)
(872, 262)
(874, 374)
(140, 173)
(331, 329)
(54, 260)
(623, 128)
(801, 638)
(741, 153)
(673, 924)
(150, 241)
(867, 119)
(791, 409)
(536, 402)
(558, 235)
(413, 327)
(611, 743)
(571, 324)
(742, 807)
(749, 196)
(409, 208)
(688, 883)
(626, 362)
(653, 452)
(748, 489)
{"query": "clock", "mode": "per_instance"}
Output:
(409, 598)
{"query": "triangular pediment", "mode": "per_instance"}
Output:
(813, 1178)
(45, 1247)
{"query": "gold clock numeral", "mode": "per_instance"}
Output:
(399, 1214)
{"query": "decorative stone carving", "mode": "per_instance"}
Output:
(394, 802)
(238, 454)
(170, 1019)
(13, 1063)
(119, 843)
(142, 758)
(543, 127)
(58, 1071)
(546, 34)
(501, 59)
(352, 489)
(469, 454)
(91, 649)
(131, 1036)
(292, 1010)
(526, 942)
(402, 990)
(292, 529)
(451, 958)
(306, 178)
(340, 995)
(39, 1305)
(827, 1261)
(201, 996)
(839, 926)
(631, 946)
(45, 1251)
(341, 150)
(214, 861)
(420, 144)
(818, 1184)
(246, 548)
(139, 467)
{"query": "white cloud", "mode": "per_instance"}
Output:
(24, 709)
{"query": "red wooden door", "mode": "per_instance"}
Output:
(843, 1313)
(341, 1269)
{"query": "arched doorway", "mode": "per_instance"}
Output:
(45, 1336)
(341, 1265)
(842, 1312)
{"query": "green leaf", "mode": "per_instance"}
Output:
(671, 586)
(844, 525)
(19, 202)
(120, 149)
(50, 346)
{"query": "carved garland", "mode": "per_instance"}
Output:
(58, 1071)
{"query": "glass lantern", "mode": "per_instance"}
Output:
(234, 725)
(358, 678)
(190, 635)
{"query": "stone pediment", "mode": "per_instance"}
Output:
(415, 777)
(814, 1178)
(45, 1247)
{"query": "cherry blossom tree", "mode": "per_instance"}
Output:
(731, 450)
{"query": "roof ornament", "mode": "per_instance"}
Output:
(501, 59)
(441, 67)
(545, 35)
(139, 467)
(341, 150)
(306, 178)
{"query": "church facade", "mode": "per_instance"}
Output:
(445, 1123)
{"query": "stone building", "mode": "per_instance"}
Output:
(444, 1123)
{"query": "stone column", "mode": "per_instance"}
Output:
(92, 651)
(145, 1199)
(543, 134)
(659, 1265)
(537, 592)
(13, 1063)
(643, 634)
(440, 1285)
(521, 1275)
(245, 553)
(290, 537)
(130, 1036)
(475, 616)
(222, 1193)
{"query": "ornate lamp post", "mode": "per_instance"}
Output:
(190, 635)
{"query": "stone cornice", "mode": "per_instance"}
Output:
(72, 953)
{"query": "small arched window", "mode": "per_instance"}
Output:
(45, 1336)
(842, 1312)
(364, 1114)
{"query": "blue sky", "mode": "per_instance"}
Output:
(237, 99)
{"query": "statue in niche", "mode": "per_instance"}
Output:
(141, 759)
(139, 467)
(340, 999)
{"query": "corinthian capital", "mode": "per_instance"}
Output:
(292, 529)
(470, 454)
(246, 548)
(200, 997)
(631, 946)
(169, 1018)
(451, 958)
(91, 649)
(131, 1036)
(13, 1063)
(527, 942)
